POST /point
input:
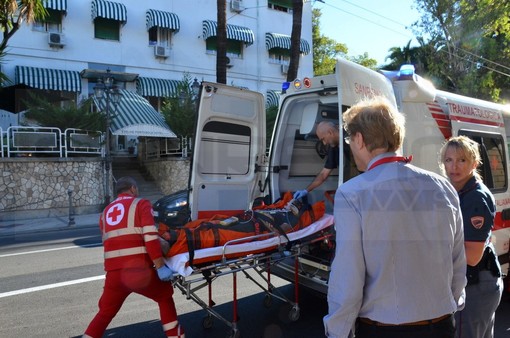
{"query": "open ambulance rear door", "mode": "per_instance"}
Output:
(228, 150)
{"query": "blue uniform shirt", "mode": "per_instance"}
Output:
(478, 211)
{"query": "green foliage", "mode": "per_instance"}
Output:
(364, 60)
(13, 13)
(468, 46)
(46, 114)
(179, 111)
(325, 50)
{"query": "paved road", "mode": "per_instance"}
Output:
(51, 281)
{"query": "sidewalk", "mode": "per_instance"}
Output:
(12, 227)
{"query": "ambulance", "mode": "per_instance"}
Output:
(231, 169)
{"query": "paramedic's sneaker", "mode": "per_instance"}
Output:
(176, 332)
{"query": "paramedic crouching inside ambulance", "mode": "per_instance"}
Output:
(399, 267)
(460, 158)
(328, 134)
(133, 261)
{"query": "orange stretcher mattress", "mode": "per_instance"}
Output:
(255, 231)
(180, 263)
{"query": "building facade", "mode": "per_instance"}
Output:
(154, 43)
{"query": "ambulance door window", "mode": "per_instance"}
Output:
(493, 168)
(225, 149)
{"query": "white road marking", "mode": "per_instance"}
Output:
(51, 286)
(47, 250)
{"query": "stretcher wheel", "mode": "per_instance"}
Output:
(234, 334)
(294, 314)
(268, 301)
(207, 322)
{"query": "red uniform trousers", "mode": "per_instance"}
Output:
(121, 283)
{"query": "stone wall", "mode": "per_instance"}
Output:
(171, 174)
(37, 187)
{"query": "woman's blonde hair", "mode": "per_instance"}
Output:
(470, 148)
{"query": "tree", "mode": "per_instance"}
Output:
(325, 50)
(13, 13)
(470, 41)
(221, 38)
(47, 114)
(179, 111)
(295, 39)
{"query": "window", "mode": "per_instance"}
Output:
(234, 47)
(279, 56)
(160, 36)
(280, 5)
(51, 23)
(493, 169)
(231, 140)
(106, 29)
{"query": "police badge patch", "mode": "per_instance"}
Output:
(477, 221)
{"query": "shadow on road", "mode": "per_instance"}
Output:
(256, 321)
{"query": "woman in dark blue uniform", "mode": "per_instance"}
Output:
(460, 157)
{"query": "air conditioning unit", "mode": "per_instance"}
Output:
(229, 63)
(285, 69)
(162, 52)
(236, 6)
(56, 39)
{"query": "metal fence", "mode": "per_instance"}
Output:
(21, 141)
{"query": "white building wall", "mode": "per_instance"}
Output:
(188, 50)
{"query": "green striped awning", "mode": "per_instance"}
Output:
(134, 116)
(155, 18)
(149, 86)
(275, 40)
(272, 98)
(58, 5)
(48, 79)
(109, 10)
(234, 32)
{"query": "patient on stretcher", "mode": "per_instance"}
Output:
(278, 219)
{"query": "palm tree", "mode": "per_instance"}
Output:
(13, 13)
(221, 40)
(295, 39)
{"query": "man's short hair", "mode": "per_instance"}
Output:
(124, 184)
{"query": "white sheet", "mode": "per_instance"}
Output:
(178, 262)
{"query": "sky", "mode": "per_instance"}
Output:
(372, 26)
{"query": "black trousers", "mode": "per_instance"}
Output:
(442, 329)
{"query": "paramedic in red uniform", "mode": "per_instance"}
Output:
(133, 261)
(399, 269)
(328, 134)
(460, 158)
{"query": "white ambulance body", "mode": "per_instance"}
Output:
(230, 168)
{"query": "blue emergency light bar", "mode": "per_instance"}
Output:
(407, 70)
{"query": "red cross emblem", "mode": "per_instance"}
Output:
(115, 214)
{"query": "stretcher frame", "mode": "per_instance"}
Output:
(259, 264)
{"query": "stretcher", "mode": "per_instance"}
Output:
(254, 259)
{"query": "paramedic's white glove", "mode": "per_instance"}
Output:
(300, 193)
(165, 273)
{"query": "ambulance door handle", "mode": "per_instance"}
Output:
(278, 168)
(505, 214)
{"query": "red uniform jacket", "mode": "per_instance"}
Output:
(130, 237)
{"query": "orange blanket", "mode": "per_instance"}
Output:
(282, 217)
